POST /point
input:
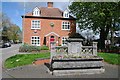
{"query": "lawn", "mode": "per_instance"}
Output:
(110, 58)
(24, 59)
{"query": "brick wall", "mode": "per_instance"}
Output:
(46, 29)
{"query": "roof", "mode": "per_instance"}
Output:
(49, 12)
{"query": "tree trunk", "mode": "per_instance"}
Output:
(104, 32)
(112, 37)
(103, 36)
(102, 39)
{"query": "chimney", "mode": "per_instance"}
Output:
(50, 4)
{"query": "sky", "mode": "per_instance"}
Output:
(14, 10)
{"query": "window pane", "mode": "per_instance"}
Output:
(35, 24)
(66, 25)
(35, 41)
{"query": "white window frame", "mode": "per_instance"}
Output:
(64, 40)
(34, 41)
(36, 12)
(33, 24)
(68, 24)
(66, 14)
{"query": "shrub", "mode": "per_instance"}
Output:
(44, 47)
(29, 48)
(115, 49)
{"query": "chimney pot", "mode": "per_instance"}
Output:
(50, 4)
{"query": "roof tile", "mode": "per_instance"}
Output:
(48, 12)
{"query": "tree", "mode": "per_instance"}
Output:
(4, 26)
(14, 32)
(98, 16)
(9, 30)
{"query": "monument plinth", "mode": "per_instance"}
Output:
(75, 59)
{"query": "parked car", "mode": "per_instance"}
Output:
(6, 44)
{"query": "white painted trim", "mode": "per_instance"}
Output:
(52, 33)
(66, 29)
(35, 10)
(62, 24)
(35, 28)
(64, 14)
(39, 40)
(62, 39)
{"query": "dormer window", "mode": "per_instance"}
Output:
(36, 12)
(66, 14)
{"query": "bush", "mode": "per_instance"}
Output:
(44, 47)
(114, 49)
(29, 48)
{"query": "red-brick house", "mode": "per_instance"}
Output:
(47, 24)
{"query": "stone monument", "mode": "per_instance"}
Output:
(75, 59)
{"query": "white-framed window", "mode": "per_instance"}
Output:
(66, 14)
(66, 25)
(64, 41)
(36, 12)
(35, 40)
(35, 24)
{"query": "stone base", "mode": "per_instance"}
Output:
(76, 66)
(77, 72)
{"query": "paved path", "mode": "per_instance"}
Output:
(39, 71)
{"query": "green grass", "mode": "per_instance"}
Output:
(24, 59)
(110, 58)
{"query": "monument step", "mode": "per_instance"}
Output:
(77, 59)
(75, 68)
(77, 64)
(77, 72)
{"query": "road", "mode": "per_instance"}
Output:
(6, 53)
(10, 51)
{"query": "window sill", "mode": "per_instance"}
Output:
(35, 45)
(66, 17)
(35, 28)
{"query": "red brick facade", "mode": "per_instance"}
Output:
(46, 31)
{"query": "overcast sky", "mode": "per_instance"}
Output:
(14, 10)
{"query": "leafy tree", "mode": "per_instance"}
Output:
(99, 16)
(4, 26)
(14, 32)
(9, 30)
